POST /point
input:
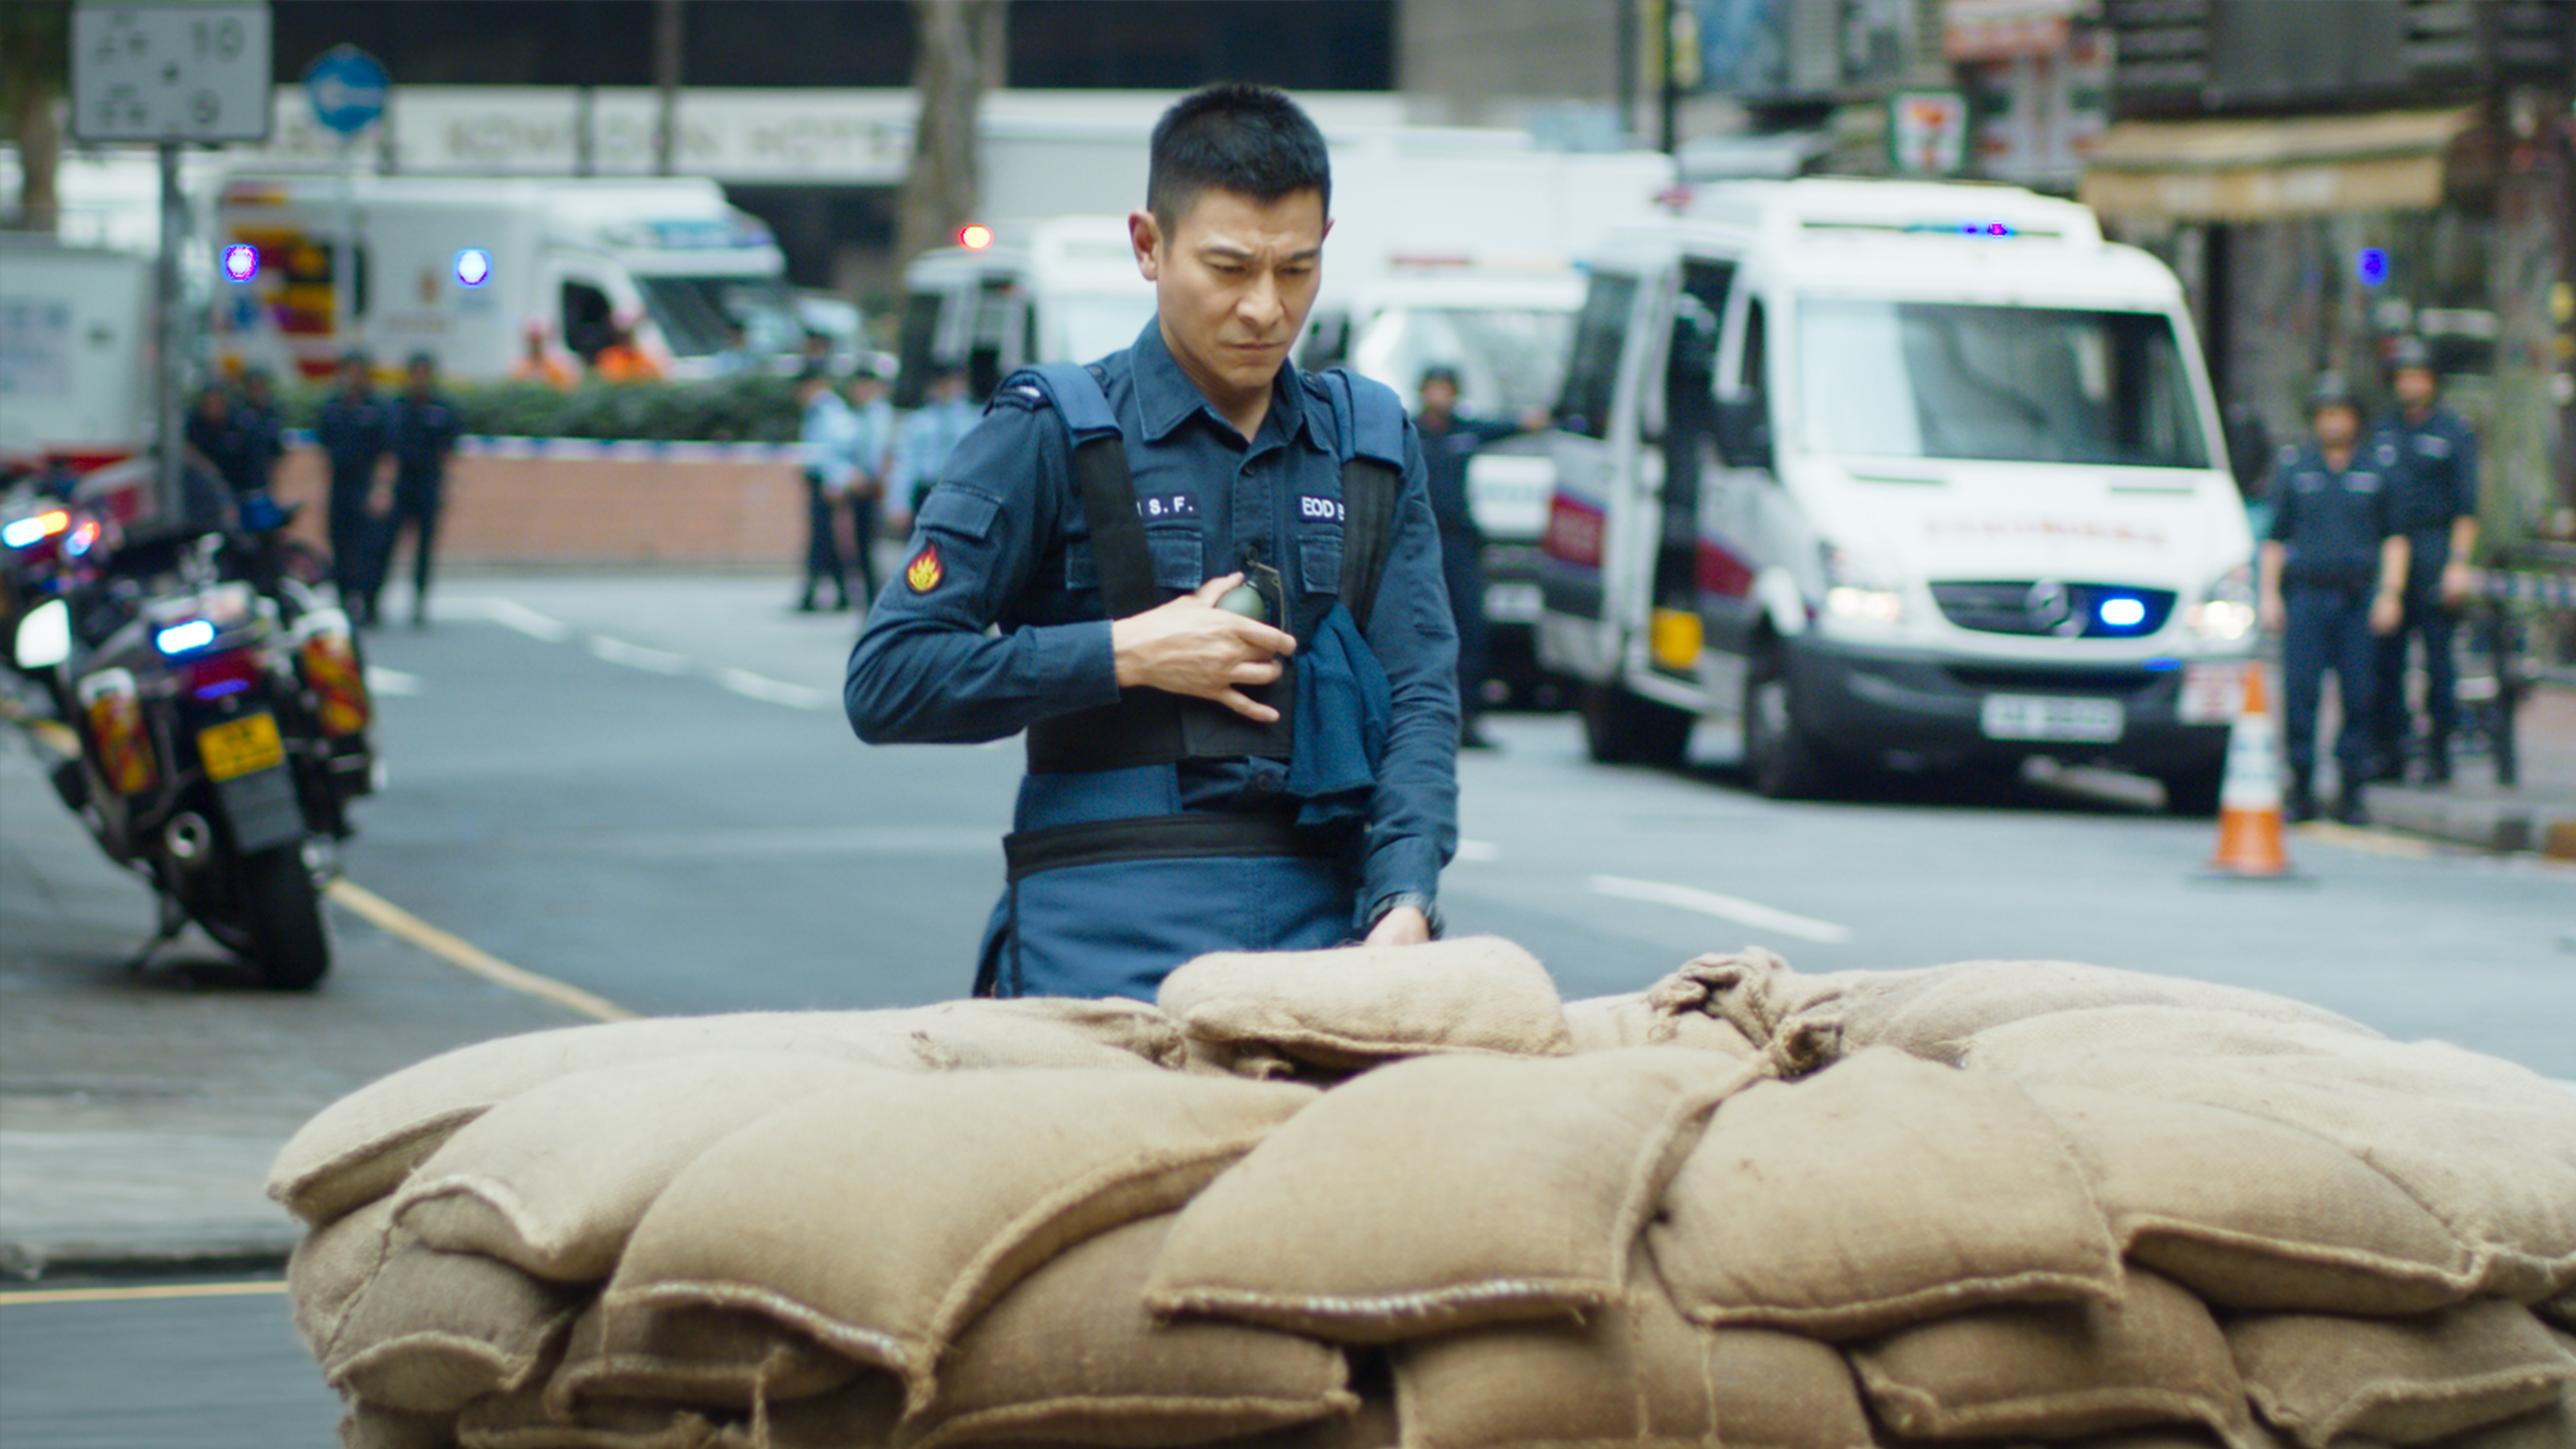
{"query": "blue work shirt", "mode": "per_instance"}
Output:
(1002, 541)
(2331, 522)
(424, 432)
(1446, 453)
(353, 436)
(2437, 477)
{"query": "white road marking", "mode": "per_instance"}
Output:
(509, 615)
(381, 680)
(636, 656)
(1478, 850)
(773, 691)
(1725, 908)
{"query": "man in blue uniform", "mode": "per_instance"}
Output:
(2333, 569)
(426, 426)
(1449, 444)
(355, 431)
(1238, 739)
(2437, 509)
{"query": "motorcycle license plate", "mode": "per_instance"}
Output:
(240, 747)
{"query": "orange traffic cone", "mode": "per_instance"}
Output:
(2250, 845)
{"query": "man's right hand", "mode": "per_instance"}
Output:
(1190, 646)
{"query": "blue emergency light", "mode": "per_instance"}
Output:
(2370, 264)
(180, 638)
(241, 262)
(473, 267)
(2121, 611)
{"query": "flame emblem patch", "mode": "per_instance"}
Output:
(923, 573)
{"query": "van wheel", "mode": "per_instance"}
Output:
(2194, 792)
(1620, 728)
(1781, 759)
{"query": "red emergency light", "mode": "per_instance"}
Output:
(974, 236)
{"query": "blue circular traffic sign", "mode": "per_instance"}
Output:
(348, 88)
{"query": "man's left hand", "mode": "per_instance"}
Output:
(2387, 608)
(1403, 926)
(2459, 582)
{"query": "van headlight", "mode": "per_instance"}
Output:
(2225, 613)
(1859, 591)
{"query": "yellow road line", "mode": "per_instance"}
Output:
(140, 1294)
(2368, 841)
(465, 956)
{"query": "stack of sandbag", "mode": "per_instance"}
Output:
(1367, 1198)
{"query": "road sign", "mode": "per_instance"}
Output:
(170, 72)
(348, 87)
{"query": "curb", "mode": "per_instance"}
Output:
(2496, 826)
(27, 1263)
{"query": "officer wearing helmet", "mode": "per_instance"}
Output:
(2436, 503)
(2333, 572)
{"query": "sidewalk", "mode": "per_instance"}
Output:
(2538, 813)
(139, 1111)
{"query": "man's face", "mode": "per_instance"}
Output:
(865, 390)
(2337, 425)
(1233, 282)
(1439, 395)
(353, 377)
(2414, 387)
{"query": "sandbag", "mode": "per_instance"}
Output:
(331, 1266)
(1632, 1373)
(554, 1179)
(433, 1331)
(880, 1221)
(1603, 1023)
(2553, 1427)
(709, 1358)
(2560, 1310)
(2403, 1380)
(2486, 1146)
(1070, 1353)
(360, 1147)
(372, 1426)
(522, 1421)
(2252, 1214)
(1754, 991)
(1444, 1191)
(2058, 1370)
(1354, 1006)
(1878, 1192)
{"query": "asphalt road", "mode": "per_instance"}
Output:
(643, 787)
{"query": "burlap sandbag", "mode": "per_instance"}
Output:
(1070, 1353)
(2560, 1310)
(433, 1331)
(372, 1426)
(881, 1221)
(1603, 1023)
(1755, 992)
(360, 1147)
(2058, 1370)
(1444, 1191)
(1878, 1192)
(522, 1420)
(2486, 1146)
(554, 1179)
(2553, 1427)
(2253, 1214)
(1356, 1005)
(1631, 1373)
(2403, 1380)
(710, 1358)
(330, 1266)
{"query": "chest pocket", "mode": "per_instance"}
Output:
(1178, 550)
(2431, 446)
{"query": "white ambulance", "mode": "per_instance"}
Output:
(1895, 469)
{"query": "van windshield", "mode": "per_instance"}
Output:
(692, 312)
(1509, 360)
(2011, 384)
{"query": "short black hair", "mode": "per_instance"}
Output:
(1235, 137)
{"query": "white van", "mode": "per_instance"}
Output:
(1895, 469)
(572, 254)
(1062, 289)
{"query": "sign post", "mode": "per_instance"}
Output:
(170, 73)
(348, 89)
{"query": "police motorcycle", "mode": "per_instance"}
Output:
(222, 715)
(36, 527)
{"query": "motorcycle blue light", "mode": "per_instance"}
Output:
(2122, 612)
(180, 638)
(241, 262)
(473, 267)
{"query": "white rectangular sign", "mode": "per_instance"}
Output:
(170, 72)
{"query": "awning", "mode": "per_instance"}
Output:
(2262, 170)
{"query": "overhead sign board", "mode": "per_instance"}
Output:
(170, 72)
(348, 87)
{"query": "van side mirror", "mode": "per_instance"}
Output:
(1744, 433)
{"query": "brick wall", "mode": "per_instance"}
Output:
(514, 501)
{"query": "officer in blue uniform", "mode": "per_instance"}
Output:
(2333, 569)
(1238, 736)
(2437, 508)
(355, 431)
(426, 426)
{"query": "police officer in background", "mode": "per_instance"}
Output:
(2333, 571)
(2437, 508)
(426, 426)
(355, 431)
(1242, 732)
(1449, 444)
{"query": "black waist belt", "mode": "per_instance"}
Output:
(1199, 835)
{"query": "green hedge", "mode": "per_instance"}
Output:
(749, 409)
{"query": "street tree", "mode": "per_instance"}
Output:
(35, 70)
(958, 54)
